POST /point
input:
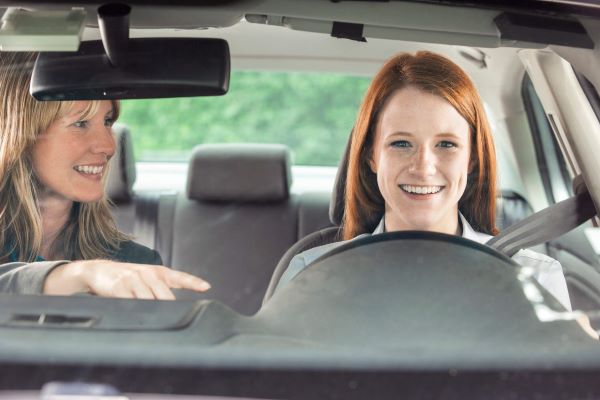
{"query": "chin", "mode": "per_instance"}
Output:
(89, 198)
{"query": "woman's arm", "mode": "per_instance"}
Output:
(100, 277)
(25, 278)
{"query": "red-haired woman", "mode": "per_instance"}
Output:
(422, 158)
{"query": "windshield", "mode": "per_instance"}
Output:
(346, 205)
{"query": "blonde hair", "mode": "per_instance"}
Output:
(90, 231)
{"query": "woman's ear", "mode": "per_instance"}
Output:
(372, 164)
(472, 165)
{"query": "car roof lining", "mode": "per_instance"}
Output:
(393, 20)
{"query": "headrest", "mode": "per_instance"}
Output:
(121, 174)
(511, 208)
(239, 173)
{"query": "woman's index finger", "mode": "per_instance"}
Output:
(182, 280)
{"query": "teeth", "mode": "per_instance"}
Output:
(89, 169)
(421, 189)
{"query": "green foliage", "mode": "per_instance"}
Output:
(311, 113)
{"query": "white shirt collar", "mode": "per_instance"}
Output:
(469, 233)
(380, 227)
(467, 230)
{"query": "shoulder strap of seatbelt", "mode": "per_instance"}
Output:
(545, 225)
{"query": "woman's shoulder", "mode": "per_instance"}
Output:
(310, 255)
(302, 260)
(130, 251)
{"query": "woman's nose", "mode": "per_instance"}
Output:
(104, 141)
(423, 163)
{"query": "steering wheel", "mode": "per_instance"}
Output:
(410, 237)
(410, 285)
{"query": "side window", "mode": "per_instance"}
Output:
(553, 166)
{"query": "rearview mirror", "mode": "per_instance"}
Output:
(153, 68)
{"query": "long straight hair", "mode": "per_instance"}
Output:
(90, 231)
(439, 76)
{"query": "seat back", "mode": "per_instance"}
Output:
(511, 208)
(121, 174)
(120, 179)
(321, 237)
(134, 213)
(236, 220)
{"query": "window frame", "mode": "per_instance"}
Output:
(551, 161)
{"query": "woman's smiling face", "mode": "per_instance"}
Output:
(70, 157)
(421, 157)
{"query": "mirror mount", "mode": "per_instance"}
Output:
(113, 21)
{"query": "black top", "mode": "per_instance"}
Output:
(133, 252)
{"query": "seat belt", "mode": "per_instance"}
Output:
(546, 224)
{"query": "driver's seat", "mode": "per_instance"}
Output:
(321, 237)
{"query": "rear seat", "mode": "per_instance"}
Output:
(120, 180)
(233, 224)
(236, 219)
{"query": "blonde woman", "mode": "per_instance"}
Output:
(53, 159)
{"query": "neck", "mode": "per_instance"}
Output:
(450, 226)
(55, 211)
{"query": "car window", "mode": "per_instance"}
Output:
(553, 167)
(311, 113)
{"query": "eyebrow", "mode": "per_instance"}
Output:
(442, 134)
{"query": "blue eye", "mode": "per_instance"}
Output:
(81, 124)
(109, 121)
(446, 144)
(400, 144)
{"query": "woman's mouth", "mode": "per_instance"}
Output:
(90, 171)
(421, 190)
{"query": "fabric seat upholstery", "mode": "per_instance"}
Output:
(120, 179)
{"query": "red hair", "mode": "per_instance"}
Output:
(439, 76)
